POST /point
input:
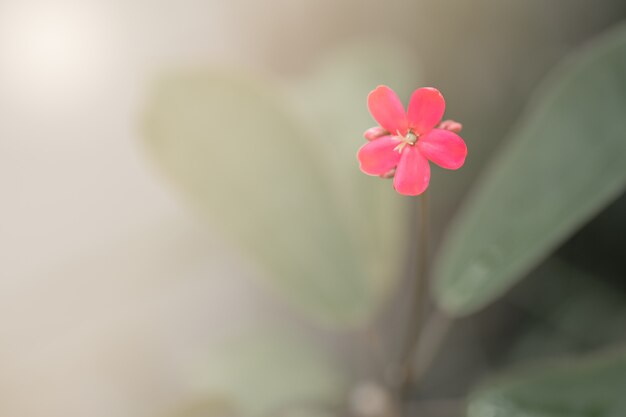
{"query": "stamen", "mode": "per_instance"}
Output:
(400, 146)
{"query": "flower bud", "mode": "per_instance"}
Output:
(451, 125)
(389, 174)
(374, 133)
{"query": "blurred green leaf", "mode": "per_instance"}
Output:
(272, 373)
(277, 173)
(591, 387)
(563, 164)
(237, 152)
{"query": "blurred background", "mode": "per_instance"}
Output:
(125, 291)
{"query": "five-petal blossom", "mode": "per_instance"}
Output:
(405, 142)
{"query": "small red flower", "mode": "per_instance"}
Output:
(405, 141)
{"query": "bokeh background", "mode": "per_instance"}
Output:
(120, 297)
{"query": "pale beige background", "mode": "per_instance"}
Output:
(110, 288)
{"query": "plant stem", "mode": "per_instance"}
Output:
(419, 298)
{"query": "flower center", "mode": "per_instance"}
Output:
(409, 140)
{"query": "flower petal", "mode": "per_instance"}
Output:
(443, 147)
(387, 109)
(378, 156)
(426, 109)
(413, 172)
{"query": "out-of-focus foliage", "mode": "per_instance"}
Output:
(574, 388)
(272, 166)
(331, 99)
(563, 164)
(573, 313)
(288, 192)
(599, 246)
(268, 373)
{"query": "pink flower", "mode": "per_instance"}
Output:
(405, 142)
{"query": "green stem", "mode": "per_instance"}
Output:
(419, 298)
